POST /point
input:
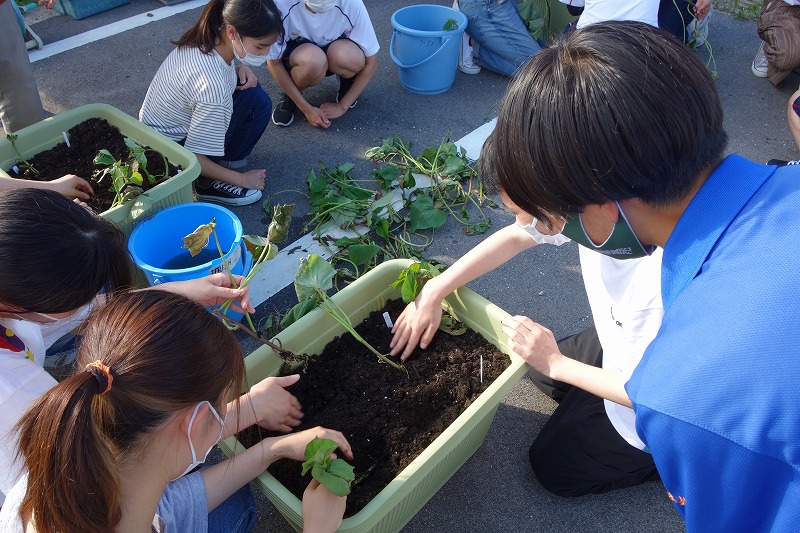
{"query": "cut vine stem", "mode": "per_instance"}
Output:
(234, 325)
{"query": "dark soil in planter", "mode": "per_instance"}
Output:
(388, 417)
(86, 140)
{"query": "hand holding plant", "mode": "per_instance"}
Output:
(335, 474)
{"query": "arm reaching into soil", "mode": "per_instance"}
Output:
(420, 319)
(537, 345)
(70, 186)
(225, 478)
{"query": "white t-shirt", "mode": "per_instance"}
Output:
(625, 298)
(602, 10)
(191, 97)
(348, 17)
(23, 379)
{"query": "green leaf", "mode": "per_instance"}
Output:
(297, 312)
(281, 219)
(423, 215)
(335, 474)
(104, 157)
(343, 242)
(136, 178)
(345, 168)
(410, 289)
(362, 253)
(198, 239)
(314, 276)
(382, 228)
(450, 25)
(453, 165)
(386, 175)
(429, 155)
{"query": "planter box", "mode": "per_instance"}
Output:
(47, 133)
(393, 507)
(79, 9)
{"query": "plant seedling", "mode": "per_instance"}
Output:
(335, 474)
(130, 177)
(262, 248)
(410, 282)
(313, 280)
(12, 138)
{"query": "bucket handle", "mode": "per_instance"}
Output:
(400, 64)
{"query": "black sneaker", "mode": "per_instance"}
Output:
(283, 114)
(344, 86)
(782, 163)
(227, 194)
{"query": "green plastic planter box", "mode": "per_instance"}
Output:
(47, 133)
(80, 9)
(393, 507)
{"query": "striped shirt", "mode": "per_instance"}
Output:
(348, 18)
(191, 97)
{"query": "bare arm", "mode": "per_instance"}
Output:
(225, 478)
(70, 186)
(420, 319)
(252, 179)
(537, 345)
(284, 80)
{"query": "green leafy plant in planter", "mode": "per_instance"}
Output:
(129, 178)
(312, 282)
(410, 282)
(335, 474)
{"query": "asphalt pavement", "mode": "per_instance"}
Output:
(495, 490)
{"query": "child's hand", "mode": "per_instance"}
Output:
(71, 186)
(247, 77)
(212, 290)
(332, 110)
(275, 408)
(417, 324)
(293, 445)
(317, 118)
(701, 8)
(534, 343)
(47, 3)
(253, 179)
(322, 509)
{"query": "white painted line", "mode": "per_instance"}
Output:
(473, 142)
(51, 49)
(279, 273)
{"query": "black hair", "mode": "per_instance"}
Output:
(56, 255)
(616, 110)
(251, 18)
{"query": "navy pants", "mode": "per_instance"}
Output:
(252, 109)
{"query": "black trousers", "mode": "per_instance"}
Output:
(578, 451)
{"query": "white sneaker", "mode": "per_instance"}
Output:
(760, 63)
(466, 61)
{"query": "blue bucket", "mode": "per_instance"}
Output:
(155, 245)
(426, 54)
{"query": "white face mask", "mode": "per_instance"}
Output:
(53, 328)
(320, 6)
(195, 461)
(251, 60)
(558, 239)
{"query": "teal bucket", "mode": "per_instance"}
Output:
(155, 245)
(426, 55)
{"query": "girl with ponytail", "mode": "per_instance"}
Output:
(107, 449)
(215, 107)
(58, 260)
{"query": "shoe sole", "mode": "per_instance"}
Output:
(469, 70)
(757, 72)
(235, 202)
(283, 124)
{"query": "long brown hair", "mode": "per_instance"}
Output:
(165, 353)
(251, 18)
